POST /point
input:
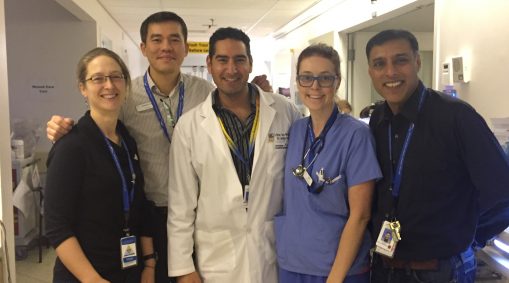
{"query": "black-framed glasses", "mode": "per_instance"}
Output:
(100, 79)
(323, 81)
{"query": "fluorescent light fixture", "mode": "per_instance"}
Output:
(504, 247)
(315, 10)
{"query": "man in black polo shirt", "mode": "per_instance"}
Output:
(445, 175)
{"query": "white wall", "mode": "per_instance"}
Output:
(5, 153)
(108, 28)
(348, 15)
(44, 44)
(479, 31)
(46, 38)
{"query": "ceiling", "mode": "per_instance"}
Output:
(418, 20)
(258, 18)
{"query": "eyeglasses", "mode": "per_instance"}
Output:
(323, 81)
(99, 79)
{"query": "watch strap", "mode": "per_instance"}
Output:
(150, 256)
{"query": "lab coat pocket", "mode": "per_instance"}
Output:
(214, 251)
(269, 242)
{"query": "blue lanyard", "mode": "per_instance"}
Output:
(234, 147)
(396, 176)
(316, 145)
(180, 107)
(127, 197)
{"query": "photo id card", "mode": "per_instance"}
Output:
(128, 254)
(307, 178)
(386, 242)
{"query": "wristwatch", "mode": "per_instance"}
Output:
(150, 256)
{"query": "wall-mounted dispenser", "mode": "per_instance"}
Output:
(446, 74)
(460, 70)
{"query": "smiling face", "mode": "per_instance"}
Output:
(393, 67)
(165, 47)
(230, 67)
(108, 96)
(316, 98)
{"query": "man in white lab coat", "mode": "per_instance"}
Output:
(226, 163)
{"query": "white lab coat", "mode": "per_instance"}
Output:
(206, 213)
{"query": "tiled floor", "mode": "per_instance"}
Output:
(485, 274)
(29, 270)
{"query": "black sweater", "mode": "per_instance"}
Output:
(83, 195)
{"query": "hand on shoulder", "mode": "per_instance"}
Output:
(262, 82)
(58, 127)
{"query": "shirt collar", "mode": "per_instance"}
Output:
(409, 109)
(155, 89)
(216, 104)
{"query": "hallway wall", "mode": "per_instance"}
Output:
(478, 31)
(44, 44)
(108, 28)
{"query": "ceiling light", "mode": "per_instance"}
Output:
(315, 10)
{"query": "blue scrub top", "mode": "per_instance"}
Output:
(309, 228)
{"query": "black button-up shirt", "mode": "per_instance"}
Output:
(240, 133)
(454, 170)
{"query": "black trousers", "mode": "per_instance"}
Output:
(161, 244)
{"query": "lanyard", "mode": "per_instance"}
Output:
(127, 197)
(234, 147)
(316, 145)
(180, 106)
(396, 176)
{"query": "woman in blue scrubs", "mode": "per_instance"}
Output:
(330, 172)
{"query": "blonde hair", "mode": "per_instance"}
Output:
(343, 105)
(81, 70)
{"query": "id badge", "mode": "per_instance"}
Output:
(281, 141)
(386, 241)
(144, 106)
(245, 200)
(170, 120)
(128, 254)
(307, 178)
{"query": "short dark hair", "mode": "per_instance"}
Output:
(368, 110)
(321, 50)
(81, 69)
(229, 33)
(161, 17)
(392, 34)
